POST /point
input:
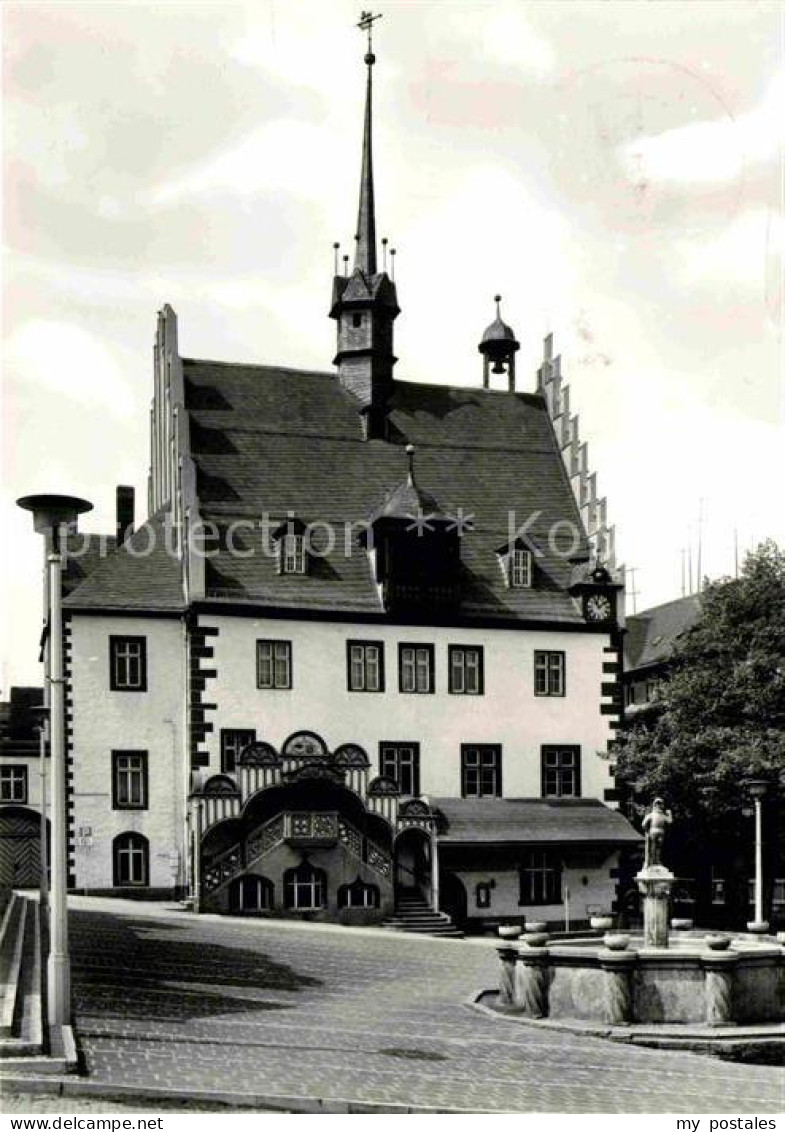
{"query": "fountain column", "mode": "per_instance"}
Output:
(655, 883)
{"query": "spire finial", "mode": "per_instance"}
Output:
(410, 450)
(367, 20)
(497, 299)
(365, 259)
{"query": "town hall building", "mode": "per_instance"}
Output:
(363, 660)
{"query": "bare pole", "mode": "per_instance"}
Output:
(683, 572)
(699, 571)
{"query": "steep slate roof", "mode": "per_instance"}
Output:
(274, 441)
(652, 634)
(83, 553)
(131, 578)
(486, 821)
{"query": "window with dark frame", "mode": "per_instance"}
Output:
(549, 673)
(365, 666)
(234, 740)
(305, 887)
(540, 877)
(561, 772)
(128, 664)
(129, 780)
(13, 784)
(416, 668)
(401, 763)
(466, 665)
(481, 770)
(131, 860)
(274, 664)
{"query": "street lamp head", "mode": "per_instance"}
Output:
(756, 787)
(52, 512)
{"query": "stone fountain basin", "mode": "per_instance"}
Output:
(667, 984)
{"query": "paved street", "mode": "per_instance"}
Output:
(258, 1008)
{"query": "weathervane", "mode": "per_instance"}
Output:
(367, 20)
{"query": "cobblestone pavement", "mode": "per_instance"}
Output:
(168, 1000)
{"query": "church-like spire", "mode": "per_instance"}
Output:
(365, 257)
(364, 303)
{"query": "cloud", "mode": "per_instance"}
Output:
(281, 156)
(67, 359)
(711, 151)
(737, 255)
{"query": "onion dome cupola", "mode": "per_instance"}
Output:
(498, 348)
(415, 548)
(364, 302)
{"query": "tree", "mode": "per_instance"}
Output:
(719, 717)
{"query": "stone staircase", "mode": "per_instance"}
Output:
(414, 914)
(25, 1046)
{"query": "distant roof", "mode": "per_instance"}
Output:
(272, 441)
(652, 634)
(527, 820)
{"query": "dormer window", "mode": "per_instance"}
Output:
(292, 554)
(519, 568)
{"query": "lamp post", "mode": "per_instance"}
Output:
(54, 515)
(756, 787)
(41, 713)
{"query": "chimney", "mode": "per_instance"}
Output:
(125, 512)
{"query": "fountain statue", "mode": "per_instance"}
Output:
(654, 880)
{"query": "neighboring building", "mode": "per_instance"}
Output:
(648, 648)
(717, 884)
(368, 641)
(20, 789)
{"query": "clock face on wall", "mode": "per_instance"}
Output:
(598, 608)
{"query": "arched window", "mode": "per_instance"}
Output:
(251, 894)
(131, 857)
(305, 887)
(358, 895)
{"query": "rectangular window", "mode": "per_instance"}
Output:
(128, 664)
(481, 771)
(466, 670)
(13, 784)
(129, 780)
(519, 568)
(415, 668)
(292, 552)
(401, 763)
(549, 673)
(273, 664)
(540, 878)
(778, 892)
(561, 772)
(233, 743)
(365, 666)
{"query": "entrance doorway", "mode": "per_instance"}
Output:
(413, 861)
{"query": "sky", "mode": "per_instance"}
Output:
(614, 170)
